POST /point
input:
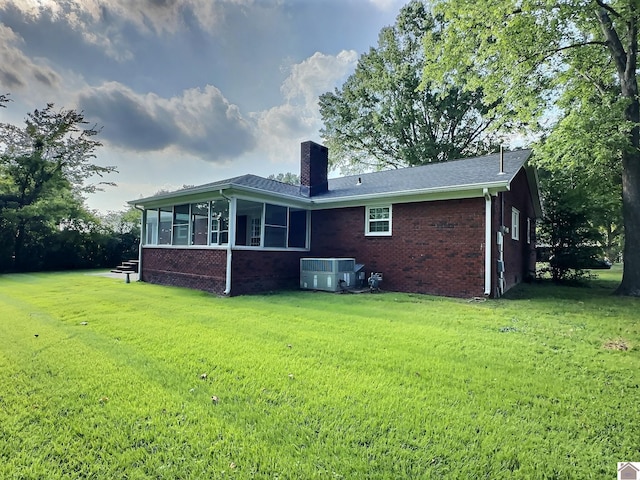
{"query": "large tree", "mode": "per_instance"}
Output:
(567, 227)
(581, 153)
(527, 55)
(380, 119)
(45, 168)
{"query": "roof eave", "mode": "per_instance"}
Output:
(406, 196)
(198, 193)
(192, 192)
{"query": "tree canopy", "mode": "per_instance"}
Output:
(45, 168)
(289, 177)
(380, 118)
(570, 59)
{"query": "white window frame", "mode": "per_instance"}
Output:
(368, 221)
(515, 223)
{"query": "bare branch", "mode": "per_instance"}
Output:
(544, 55)
(608, 8)
(613, 40)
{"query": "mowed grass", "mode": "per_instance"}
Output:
(314, 385)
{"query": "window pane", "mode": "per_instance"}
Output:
(379, 213)
(515, 224)
(181, 214)
(199, 223)
(219, 222)
(166, 220)
(151, 227)
(275, 237)
(255, 231)
(248, 222)
(379, 226)
(275, 215)
(180, 225)
(181, 234)
(297, 228)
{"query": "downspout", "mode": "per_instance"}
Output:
(143, 234)
(501, 281)
(487, 242)
(232, 237)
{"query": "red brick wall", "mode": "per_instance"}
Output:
(436, 247)
(254, 271)
(519, 256)
(202, 269)
(205, 269)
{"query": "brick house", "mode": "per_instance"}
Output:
(462, 228)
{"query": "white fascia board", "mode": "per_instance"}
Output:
(316, 203)
(209, 193)
(409, 196)
(196, 193)
(249, 193)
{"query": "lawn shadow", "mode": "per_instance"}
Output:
(587, 289)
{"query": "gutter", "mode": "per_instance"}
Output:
(473, 190)
(487, 242)
(232, 236)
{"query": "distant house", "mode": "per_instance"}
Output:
(462, 228)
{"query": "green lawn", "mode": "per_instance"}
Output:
(544, 384)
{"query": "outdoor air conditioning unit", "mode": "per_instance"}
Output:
(328, 274)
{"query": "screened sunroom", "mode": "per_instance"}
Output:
(255, 225)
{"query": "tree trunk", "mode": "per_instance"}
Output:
(625, 58)
(631, 214)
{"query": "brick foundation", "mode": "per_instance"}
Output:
(261, 271)
(205, 269)
(201, 269)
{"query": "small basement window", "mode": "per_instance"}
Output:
(378, 220)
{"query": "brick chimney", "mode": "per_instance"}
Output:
(314, 165)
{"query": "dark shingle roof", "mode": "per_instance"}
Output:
(257, 183)
(477, 171)
(458, 174)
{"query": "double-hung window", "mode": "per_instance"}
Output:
(378, 220)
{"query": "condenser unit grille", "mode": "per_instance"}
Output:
(346, 265)
(316, 265)
(327, 265)
(330, 274)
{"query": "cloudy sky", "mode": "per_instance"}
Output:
(186, 91)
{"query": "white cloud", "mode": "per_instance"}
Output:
(19, 72)
(100, 21)
(388, 5)
(199, 121)
(283, 127)
(317, 74)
